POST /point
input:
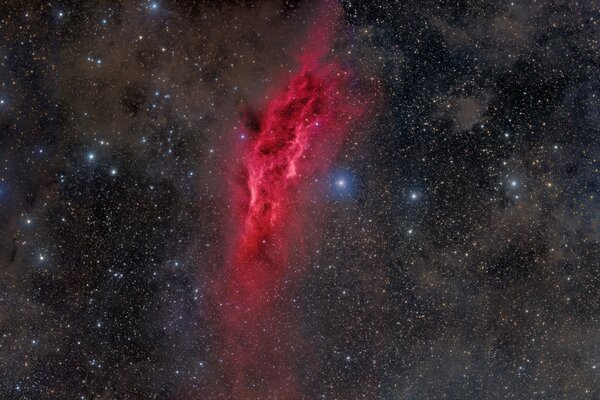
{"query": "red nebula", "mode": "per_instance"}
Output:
(291, 143)
(298, 135)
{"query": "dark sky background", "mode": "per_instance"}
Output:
(458, 253)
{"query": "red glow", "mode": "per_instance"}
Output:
(292, 142)
(298, 135)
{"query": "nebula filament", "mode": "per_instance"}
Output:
(291, 143)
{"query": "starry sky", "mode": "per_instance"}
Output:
(428, 222)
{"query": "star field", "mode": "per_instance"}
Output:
(444, 245)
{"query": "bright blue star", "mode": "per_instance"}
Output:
(343, 185)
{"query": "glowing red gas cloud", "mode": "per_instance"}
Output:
(291, 143)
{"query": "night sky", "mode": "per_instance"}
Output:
(309, 199)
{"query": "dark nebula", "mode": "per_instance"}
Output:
(309, 199)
